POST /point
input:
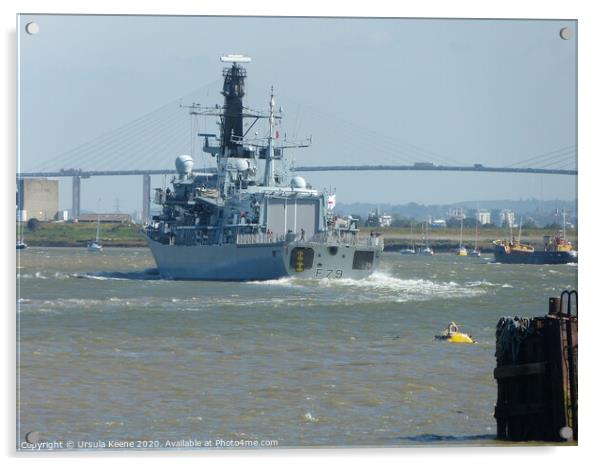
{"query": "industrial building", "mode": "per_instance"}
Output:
(37, 198)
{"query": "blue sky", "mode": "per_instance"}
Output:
(495, 92)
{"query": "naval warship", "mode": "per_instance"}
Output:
(251, 220)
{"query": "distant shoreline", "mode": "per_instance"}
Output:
(42, 244)
(121, 235)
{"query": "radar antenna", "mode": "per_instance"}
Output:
(235, 58)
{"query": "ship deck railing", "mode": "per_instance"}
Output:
(259, 238)
(345, 239)
(191, 236)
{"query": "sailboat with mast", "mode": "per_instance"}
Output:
(96, 246)
(410, 250)
(20, 241)
(476, 252)
(461, 249)
(426, 251)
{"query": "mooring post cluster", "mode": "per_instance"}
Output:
(536, 374)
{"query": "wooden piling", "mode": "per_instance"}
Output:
(536, 374)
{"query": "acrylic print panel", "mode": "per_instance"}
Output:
(256, 232)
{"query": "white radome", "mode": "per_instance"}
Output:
(298, 182)
(184, 164)
(242, 165)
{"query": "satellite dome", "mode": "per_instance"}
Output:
(241, 165)
(298, 182)
(184, 164)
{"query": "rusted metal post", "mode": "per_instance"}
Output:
(536, 374)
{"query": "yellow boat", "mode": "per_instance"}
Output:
(453, 335)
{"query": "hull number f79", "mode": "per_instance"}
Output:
(329, 273)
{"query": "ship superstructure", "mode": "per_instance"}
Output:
(250, 220)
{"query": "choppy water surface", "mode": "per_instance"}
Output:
(110, 352)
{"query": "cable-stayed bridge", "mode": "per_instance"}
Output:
(78, 174)
(169, 129)
(310, 168)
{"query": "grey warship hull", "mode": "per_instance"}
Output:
(242, 262)
(250, 220)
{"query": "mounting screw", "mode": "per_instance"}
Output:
(566, 433)
(566, 33)
(32, 28)
(32, 437)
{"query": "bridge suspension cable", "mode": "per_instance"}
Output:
(365, 139)
(152, 130)
(566, 152)
(153, 139)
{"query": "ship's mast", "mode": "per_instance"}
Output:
(232, 139)
(233, 92)
(476, 232)
(268, 179)
(231, 117)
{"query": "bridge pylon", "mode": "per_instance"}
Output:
(146, 193)
(76, 198)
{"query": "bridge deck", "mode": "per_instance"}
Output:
(90, 173)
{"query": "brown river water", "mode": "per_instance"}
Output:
(110, 356)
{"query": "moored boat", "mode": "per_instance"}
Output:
(557, 250)
(410, 250)
(461, 251)
(476, 252)
(426, 250)
(95, 246)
